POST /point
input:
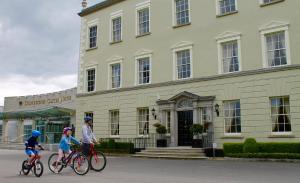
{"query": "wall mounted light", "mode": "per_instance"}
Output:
(217, 109)
(153, 113)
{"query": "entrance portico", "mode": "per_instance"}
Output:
(181, 111)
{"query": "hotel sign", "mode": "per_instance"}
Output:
(46, 101)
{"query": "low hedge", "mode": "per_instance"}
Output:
(115, 147)
(252, 149)
(265, 155)
(233, 148)
(250, 146)
(279, 147)
(262, 147)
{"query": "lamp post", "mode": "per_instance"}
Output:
(217, 109)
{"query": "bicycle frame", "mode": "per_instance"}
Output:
(35, 158)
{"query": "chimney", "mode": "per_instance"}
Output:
(84, 4)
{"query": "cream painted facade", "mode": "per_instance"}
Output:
(254, 85)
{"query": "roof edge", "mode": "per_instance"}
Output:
(98, 7)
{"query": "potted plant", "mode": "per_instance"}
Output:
(197, 130)
(161, 130)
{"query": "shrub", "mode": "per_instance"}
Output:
(250, 146)
(196, 129)
(231, 148)
(161, 129)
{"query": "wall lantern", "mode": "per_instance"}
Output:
(153, 113)
(217, 109)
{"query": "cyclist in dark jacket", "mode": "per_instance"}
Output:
(31, 143)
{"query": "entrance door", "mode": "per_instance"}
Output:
(185, 121)
(40, 126)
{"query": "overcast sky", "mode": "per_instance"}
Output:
(39, 46)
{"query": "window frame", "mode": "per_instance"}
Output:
(137, 58)
(218, 9)
(174, 15)
(113, 16)
(109, 82)
(110, 123)
(86, 79)
(139, 7)
(138, 122)
(226, 38)
(276, 28)
(175, 70)
(90, 24)
(263, 4)
(270, 110)
(224, 120)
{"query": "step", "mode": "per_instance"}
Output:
(171, 157)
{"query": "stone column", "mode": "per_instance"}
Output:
(174, 133)
(195, 112)
(20, 131)
(4, 131)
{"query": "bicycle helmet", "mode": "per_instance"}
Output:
(88, 118)
(66, 129)
(36, 133)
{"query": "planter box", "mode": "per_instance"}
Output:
(197, 143)
(161, 143)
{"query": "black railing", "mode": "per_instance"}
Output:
(140, 143)
(208, 139)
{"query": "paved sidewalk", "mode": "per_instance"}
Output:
(134, 170)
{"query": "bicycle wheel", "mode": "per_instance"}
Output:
(98, 161)
(25, 167)
(38, 168)
(55, 167)
(81, 165)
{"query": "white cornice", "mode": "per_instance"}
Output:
(273, 25)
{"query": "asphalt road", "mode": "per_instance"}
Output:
(131, 170)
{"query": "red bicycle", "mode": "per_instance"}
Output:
(97, 159)
(36, 164)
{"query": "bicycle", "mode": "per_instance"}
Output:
(97, 159)
(36, 164)
(76, 160)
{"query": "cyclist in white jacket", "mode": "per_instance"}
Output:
(88, 137)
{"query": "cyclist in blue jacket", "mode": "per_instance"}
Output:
(64, 144)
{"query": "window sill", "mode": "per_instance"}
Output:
(233, 136)
(226, 14)
(90, 49)
(281, 135)
(181, 25)
(143, 35)
(183, 79)
(271, 3)
(111, 43)
(114, 137)
(143, 136)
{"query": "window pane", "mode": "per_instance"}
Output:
(276, 50)
(183, 64)
(182, 12)
(280, 114)
(144, 70)
(232, 115)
